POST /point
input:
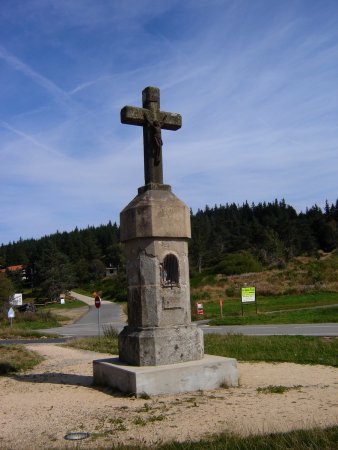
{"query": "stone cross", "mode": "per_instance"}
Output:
(152, 120)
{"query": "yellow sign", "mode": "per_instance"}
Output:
(248, 294)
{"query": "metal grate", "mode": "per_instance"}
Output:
(170, 271)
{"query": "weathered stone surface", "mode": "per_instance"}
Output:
(152, 120)
(211, 372)
(158, 346)
(155, 214)
(150, 303)
(155, 226)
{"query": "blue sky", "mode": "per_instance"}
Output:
(256, 83)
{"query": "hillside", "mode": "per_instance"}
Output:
(226, 240)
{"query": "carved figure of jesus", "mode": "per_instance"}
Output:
(157, 136)
(152, 119)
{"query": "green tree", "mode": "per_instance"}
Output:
(6, 289)
(54, 272)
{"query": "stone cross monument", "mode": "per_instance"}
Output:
(155, 228)
(160, 350)
(152, 120)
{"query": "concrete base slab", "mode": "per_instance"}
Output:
(211, 372)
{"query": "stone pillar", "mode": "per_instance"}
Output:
(155, 228)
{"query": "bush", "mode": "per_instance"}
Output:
(230, 291)
(202, 279)
(235, 264)
(112, 288)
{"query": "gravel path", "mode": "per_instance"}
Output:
(39, 407)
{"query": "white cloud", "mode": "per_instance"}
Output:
(254, 82)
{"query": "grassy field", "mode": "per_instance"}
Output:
(300, 292)
(25, 324)
(316, 439)
(296, 349)
(303, 308)
(16, 358)
(30, 321)
(320, 315)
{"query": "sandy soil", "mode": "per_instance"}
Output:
(39, 407)
(70, 315)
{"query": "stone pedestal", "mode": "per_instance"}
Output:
(160, 346)
(210, 372)
(160, 350)
(155, 228)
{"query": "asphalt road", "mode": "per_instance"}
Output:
(94, 321)
(112, 315)
(317, 329)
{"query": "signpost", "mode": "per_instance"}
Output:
(221, 306)
(97, 302)
(98, 305)
(248, 296)
(199, 309)
(15, 299)
(11, 315)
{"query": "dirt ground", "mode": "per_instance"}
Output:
(40, 407)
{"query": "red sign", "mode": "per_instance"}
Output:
(97, 301)
(220, 301)
(199, 309)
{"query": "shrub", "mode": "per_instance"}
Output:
(236, 263)
(230, 291)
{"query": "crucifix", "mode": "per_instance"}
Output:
(152, 120)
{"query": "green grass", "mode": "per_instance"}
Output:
(300, 440)
(19, 333)
(320, 315)
(297, 301)
(303, 308)
(25, 325)
(69, 304)
(296, 349)
(104, 344)
(16, 358)
(315, 439)
(297, 440)
(30, 321)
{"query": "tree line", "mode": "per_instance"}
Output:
(272, 233)
(58, 262)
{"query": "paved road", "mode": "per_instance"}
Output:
(318, 329)
(111, 314)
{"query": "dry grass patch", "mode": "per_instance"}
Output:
(16, 358)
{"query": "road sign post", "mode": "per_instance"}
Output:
(199, 309)
(98, 305)
(221, 306)
(11, 315)
(248, 295)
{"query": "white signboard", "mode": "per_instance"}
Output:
(15, 300)
(248, 294)
(11, 313)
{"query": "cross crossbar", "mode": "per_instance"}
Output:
(152, 120)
